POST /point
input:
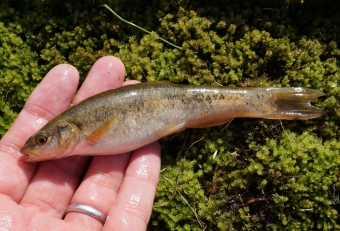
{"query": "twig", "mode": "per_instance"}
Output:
(132, 24)
(226, 126)
(201, 223)
(193, 144)
(173, 193)
(10, 61)
(286, 133)
(183, 145)
(179, 172)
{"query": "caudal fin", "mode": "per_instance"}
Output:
(294, 103)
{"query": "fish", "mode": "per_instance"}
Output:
(126, 118)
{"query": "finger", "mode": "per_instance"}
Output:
(132, 206)
(56, 181)
(99, 188)
(51, 96)
(107, 73)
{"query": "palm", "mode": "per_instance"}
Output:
(19, 217)
(35, 195)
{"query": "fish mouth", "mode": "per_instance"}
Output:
(29, 157)
(25, 158)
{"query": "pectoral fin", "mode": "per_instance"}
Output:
(100, 131)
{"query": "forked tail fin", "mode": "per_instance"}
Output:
(294, 103)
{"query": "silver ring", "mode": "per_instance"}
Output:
(88, 210)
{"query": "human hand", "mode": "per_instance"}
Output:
(34, 196)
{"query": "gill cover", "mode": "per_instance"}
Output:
(54, 140)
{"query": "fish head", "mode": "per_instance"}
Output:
(55, 140)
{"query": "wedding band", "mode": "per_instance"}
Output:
(88, 210)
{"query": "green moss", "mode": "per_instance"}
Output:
(289, 182)
(19, 73)
(250, 175)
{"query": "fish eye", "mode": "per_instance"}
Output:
(41, 139)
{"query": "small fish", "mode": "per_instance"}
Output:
(127, 118)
